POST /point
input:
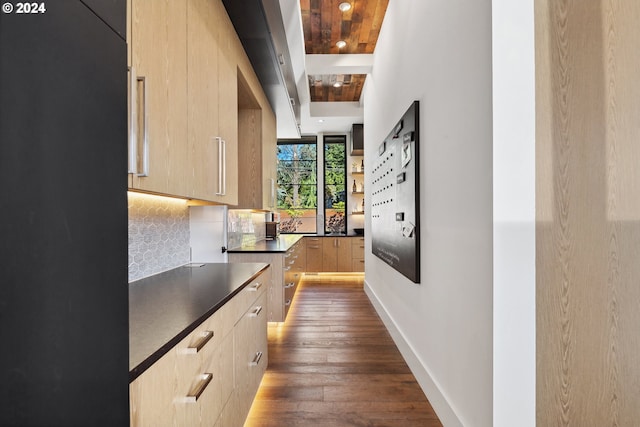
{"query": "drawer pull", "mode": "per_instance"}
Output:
(255, 287)
(256, 311)
(198, 389)
(314, 247)
(204, 339)
(289, 285)
(288, 302)
(256, 359)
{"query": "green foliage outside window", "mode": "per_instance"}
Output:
(297, 186)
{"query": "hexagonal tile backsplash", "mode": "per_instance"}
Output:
(158, 234)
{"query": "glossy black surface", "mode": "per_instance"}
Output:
(166, 307)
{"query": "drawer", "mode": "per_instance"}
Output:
(250, 350)
(219, 390)
(166, 392)
(247, 296)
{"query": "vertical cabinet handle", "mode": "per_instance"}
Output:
(138, 122)
(198, 389)
(133, 122)
(272, 192)
(142, 124)
(222, 167)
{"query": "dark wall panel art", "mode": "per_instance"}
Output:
(395, 198)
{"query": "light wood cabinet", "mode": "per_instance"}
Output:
(357, 254)
(286, 268)
(214, 367)
(332, 254)
(275, 293)
(336, 254)
(212, 109)
(294, 267)
(314, 253)
(188, 77)
(157, 38)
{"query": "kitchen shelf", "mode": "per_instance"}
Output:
(357, 213)
(357, 173)
(357, 192)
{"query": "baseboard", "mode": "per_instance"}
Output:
(438, 401)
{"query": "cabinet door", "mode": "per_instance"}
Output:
(213, 104)
(250, 354)
(229, 47)
(329, 254)
(159, 66)
(314, 254)
(204, 147)
(343, 253)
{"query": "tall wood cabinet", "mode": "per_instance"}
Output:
(157, 39)
(212, 109)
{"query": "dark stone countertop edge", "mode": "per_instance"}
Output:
(136, 371)
(283, 244)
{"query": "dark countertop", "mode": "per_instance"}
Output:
(282, 244)
(166, 307)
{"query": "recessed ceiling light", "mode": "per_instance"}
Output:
(320, 121)
(341, 44)
(344, 6)
(337, 84)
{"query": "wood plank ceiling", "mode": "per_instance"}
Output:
(324, 24)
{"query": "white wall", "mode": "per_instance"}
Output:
(514, 316)
(439, 53)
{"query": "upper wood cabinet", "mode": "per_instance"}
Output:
(189, 81)
(157, 39)
(213, 100)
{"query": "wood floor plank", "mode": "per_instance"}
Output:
(333, 364)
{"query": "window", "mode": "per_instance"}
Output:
(297, 185)
(335, 188)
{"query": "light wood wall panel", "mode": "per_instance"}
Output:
(588, 212)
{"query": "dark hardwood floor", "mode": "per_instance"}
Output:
(333, 363)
